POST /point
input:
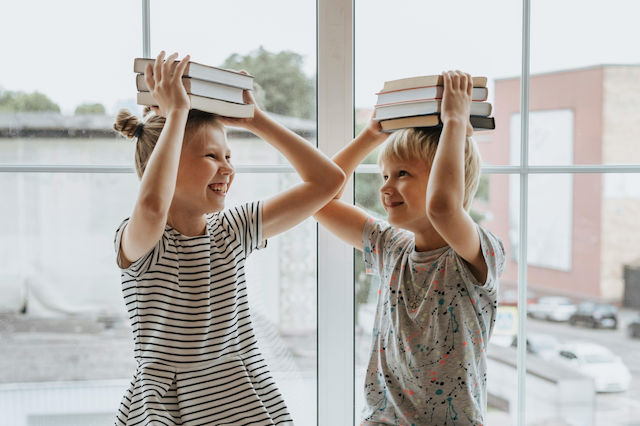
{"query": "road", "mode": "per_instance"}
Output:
(615, 409)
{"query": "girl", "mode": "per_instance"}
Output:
(182, 258)
(438, 270)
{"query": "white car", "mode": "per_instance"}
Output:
(607, 370)
(555, 308)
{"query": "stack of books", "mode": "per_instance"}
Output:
(417, 102)
(211, 89)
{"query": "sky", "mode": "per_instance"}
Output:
(86, 53)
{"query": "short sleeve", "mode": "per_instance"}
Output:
(147, 261)
(375, 237)
(245, 221)
(494, 256)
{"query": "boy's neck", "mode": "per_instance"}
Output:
(427, 238)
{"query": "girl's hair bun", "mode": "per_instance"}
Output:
(126, 124)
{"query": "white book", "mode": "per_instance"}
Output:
(425, 93)
(408, 109)
(198, 87)
(215, 106)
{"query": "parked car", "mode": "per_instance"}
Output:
(595, 315)
(607, 370)
(510, 298)
(544, 346)
(555, 308)
(633, 328)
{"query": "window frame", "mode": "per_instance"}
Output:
(335, 126)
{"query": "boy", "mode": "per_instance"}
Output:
(438, 270)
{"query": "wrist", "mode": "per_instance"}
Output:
(177, 113)
(455, 121)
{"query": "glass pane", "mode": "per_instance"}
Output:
(71, 76)
(487, 210)
(584, 283)
(415, 38)
(68, 348)
(585, 84)
(225, 34)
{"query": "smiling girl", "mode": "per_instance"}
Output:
(182, 257)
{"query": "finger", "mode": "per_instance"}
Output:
(148, 77)
(179, 71)
(157, 66)
(174, 65)
(469, 84)
(168, 65)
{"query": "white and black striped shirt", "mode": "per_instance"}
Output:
(198, 360)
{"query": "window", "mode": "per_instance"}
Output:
(563, 199)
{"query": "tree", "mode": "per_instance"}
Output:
(90, 109)
(26, 102)
(282, 86)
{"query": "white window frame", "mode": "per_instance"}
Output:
(335, 53)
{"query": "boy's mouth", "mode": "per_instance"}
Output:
(219, 188)
(393, 204)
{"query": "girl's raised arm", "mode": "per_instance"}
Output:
(321, 177)
(149, 217)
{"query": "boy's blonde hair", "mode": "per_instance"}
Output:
(421, 143)
(147, 136)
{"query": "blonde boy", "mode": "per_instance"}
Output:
(438, 270)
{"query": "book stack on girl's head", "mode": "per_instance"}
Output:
(417, 102)
(211, 89)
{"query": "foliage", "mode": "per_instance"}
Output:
(26, 102)
(283, 88)
(90, 109)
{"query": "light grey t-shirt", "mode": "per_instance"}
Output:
(432, 326)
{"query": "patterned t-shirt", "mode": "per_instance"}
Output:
(432, 326)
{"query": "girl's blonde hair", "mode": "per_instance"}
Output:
(148, 131)
(421, 143)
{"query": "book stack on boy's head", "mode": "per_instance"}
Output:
(417, 102)
(210, 89)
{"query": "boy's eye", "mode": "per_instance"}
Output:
(403, 173)
(385, 177)
(211, 155)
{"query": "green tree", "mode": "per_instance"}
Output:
(281, 85)
(90, 109)
(26, 102)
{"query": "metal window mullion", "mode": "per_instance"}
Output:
(51, 168)
(523, 231)
(335, 259)
(146, 29)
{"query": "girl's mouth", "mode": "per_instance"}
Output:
(219, 188)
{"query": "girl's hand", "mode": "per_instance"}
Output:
(247, 123)
(164, 81)
(456, 101)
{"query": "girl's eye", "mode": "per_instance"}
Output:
(211, 155)
(385, 177)
(228, 157)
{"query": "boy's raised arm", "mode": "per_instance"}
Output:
(445, 190)
(345, 220)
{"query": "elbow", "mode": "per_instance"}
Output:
(334, 181)
(442, 206)
(153, 207)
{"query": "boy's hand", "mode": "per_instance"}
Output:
(247, 123)
(164, 81)
(456, 101)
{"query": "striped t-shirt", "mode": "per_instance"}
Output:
(198, 360)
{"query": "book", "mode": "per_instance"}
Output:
(407, 109)
(424, 81)
(204, 72)
(215, 106)
(433, 120)
(205, 88)
(424, 93)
